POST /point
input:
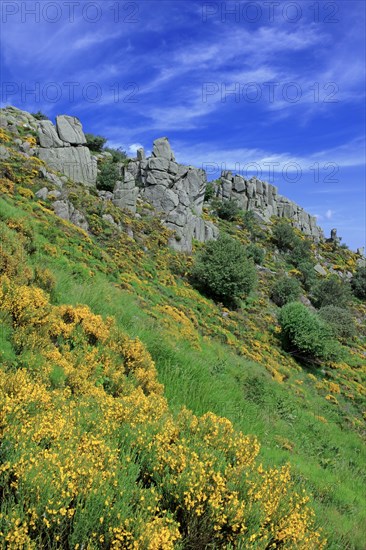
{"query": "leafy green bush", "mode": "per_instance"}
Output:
(358, 283)
(223, 271)
(340, 320)
(248, 220)
(284, 236)
(256, 253)
(40, 116)
(108, 175)
(332, 291)
(118, 155)
(210, 191)
(308, 276)
(301, 251)
(228, 210)
(285, 290)
(95, 143)
(306, 335)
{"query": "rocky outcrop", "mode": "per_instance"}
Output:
(263, 199)
(174, 190)
(125, 192)
(70, 130)
(75, 162)
(61, 147)
(48, 136)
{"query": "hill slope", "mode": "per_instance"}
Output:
(106, 347)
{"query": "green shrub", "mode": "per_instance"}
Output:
(248, 220)
(210, 191)
(40, 116)
(256, 253)
(95, 143)
(285, 290)
(228, 210)
(306, 335)
(358, 283)
(284, 236)
(109, 174)
(223, 271)
(118, 155)
(301, 251)
(332, 291)
(340, 320)
(308, 276)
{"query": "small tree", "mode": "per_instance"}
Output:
(332, 291)
(358, 283)
(306, 335)
(256, 253)
(109, 174)
(95, 143)
(308, 276)
(223, 271)
(285, 290)
(118, 155)
(210, 191)
(228, 210)
(340, 320)
(284, 236)
(40, 116)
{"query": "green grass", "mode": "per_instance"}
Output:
(326, 457)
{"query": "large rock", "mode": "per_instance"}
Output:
(263, 199)
(4, 153)
(125, 193)
(48, 136)
(162, 148)
(69, 129)
(65, 210)
(320, 270)
(75, 162)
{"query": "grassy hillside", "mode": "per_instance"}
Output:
(124, 393)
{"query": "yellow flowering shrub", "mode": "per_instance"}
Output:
(92, 457)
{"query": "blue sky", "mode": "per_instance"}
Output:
(275, 89)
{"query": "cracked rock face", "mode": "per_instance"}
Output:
(76, 162)
(177, 192)
(174, 190)
(69, 129)
(263, 199)
(61, 147)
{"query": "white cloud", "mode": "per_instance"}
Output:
(329, 214)
(132, 149)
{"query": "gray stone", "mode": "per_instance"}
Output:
(47, 135)
(320, 270)
(42, 193)
(162, 148)
(239, 184)
(69, 129)
(361, 251)
(141, 154)
(163, 199)
(4, 153)
(125, 193)
(75, 162)
(157, 177)
(105, 195)
(158, 163)
(109, 219)
(78, 218)
(62, 209)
